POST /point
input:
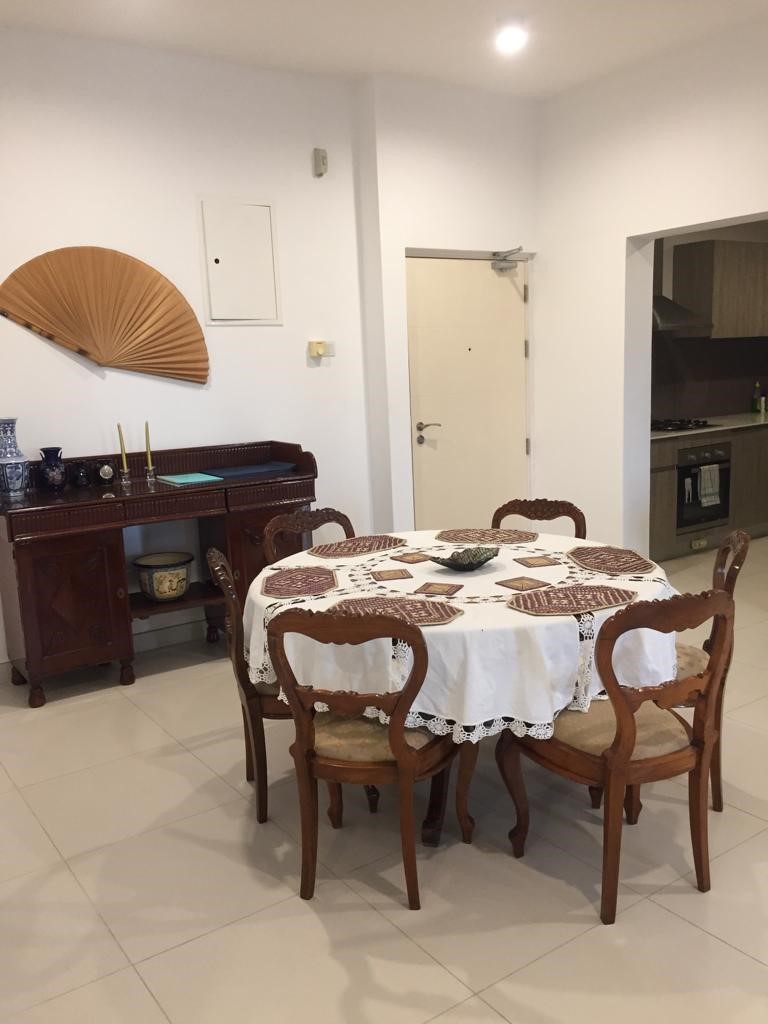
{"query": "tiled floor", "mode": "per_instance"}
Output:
(136, 886)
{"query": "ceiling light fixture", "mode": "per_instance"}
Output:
(511, 39)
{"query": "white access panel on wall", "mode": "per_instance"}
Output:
(240, 261)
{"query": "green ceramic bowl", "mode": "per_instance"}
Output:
(467, 559)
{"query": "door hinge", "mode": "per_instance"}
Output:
(527, 446)
(526, 348)
(525, 293)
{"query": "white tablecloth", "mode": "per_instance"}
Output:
(491, 668)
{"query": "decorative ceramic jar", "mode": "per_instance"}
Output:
(53, 472)
(14, 468)
(81, 476)
(164, 576)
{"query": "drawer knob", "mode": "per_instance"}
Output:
(236, 574)
(120, 594)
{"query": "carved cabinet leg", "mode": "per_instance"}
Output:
(36, 695)
(212, 633)
(126, 672)
(17, 678)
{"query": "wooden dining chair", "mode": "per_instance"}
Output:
(299, 522)
(259, 701)
(341, 745)
(542, 509)
(691, 660)
(637, 737)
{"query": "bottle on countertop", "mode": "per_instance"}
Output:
(756, 395)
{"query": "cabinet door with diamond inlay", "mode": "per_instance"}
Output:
(74, 601)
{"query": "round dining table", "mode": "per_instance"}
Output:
(510, 644)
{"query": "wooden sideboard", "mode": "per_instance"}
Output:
(63, 581)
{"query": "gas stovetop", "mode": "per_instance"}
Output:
(676, 425)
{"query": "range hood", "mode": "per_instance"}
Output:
(669, 317)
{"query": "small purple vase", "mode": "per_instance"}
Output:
(53, 472)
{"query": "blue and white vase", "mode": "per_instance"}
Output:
(14, 468)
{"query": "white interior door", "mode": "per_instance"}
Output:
(466, 342)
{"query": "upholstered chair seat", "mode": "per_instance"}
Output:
(691, 661)
(360, 739)
(658, 731)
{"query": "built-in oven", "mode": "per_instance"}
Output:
(703, 486)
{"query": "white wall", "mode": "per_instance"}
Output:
(678, 142)
(110, 145)
(456, 170)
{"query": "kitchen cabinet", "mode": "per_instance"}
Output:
(727, 282)
(749, 476)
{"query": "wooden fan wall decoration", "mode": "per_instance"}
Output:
(109, 307)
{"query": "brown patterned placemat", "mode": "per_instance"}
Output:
(410, 557)
(309, 581)
(357, 546)
(486, 536)
(411, 609)
(570, 600)
(522, 583)
(612, 561)
(537, 561)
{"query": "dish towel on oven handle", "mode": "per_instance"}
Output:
(709, 485)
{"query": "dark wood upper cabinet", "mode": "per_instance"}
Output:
(726, 281)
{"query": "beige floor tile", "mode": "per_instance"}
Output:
(484, 913)
(473, 1011)
(655, 851)
(736, 907)
(53, 939)
(24, 846)
(754, 714)
(6, 784)
(111, 801)
(750, 644)
(745, 684)
(649, 966)
(223, 750)
(70, 692)
(194, 704)
(47, 746)
(121, 998)
(178, 882)
(332, 959)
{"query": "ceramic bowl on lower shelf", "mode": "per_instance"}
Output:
(164, 575)
(467, 559)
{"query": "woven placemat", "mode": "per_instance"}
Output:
(299, 582)
(357, 546)
(570, 600)
(611, 561)
(473, 536)
(410, 609)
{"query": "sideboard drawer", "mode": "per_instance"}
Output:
(163, 507)
(66, 518)
(283, 492)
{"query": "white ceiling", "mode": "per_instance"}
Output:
(448, 40)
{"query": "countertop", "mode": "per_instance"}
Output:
(735, 421)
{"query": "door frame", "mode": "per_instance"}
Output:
(487, 256)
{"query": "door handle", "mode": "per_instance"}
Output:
(423, 426)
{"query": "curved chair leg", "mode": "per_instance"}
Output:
(716, 769)
(632, 805)
(612, 825)
(698, 792)
(408, 841)
(432, 825)
(468, 754)
(308, 813)
(372, 794)
(336, 805)
(595, 795)
(511, 770)
(256, 759)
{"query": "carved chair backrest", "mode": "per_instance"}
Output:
(542, 509)
(672, 615)
(729, 559)
(329, 628)
(300, 522)
(221, 573)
